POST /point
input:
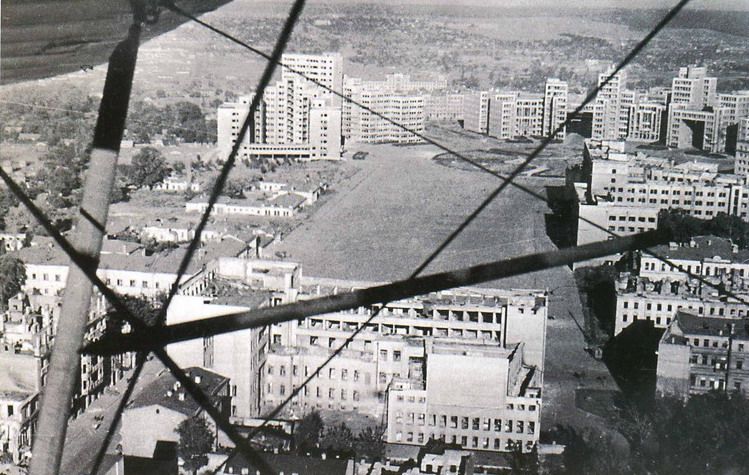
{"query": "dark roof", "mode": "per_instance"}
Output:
(706, 247)
(157, 392)
(167, 261)
(692, 324)
(290, 464)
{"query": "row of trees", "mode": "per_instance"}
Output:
(683, 226)
(311, 433)
(183, 121)
(708, 434)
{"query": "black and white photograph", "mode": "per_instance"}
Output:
(374, 237)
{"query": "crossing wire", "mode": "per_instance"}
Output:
(506, 180)
(667, 18)
(634, 52)
(372, 295)
(248, 123)
(89, 266)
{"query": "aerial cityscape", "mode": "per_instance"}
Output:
(232, 310)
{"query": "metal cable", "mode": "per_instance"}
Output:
(662, 23)
(89, 268)
(506, 181)
(373, 295)
(247, 125)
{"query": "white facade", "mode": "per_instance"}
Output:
(555, 107)
(607, 107)
(360, 125)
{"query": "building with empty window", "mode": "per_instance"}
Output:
(296, 118)
(480, 396)
(364, 126)
(607, 106)
(698, 354)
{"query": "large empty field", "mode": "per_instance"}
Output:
(400, 205)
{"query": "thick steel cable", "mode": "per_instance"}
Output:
(124, 399)
(506, 181)
(662, 23)
(140, 362)
(247, 125)
(373, 295)
(89, 268)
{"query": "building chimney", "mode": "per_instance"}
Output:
(197, 379)
(181, 396)
(323, 456)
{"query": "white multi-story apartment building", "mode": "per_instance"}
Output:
(529, 114)
(403, 83)
(296, 118)
(736, 105)
(361, 125)
(742, 148)
(696, 128)
(479, 396)
(633, 189)
(661, 289)
(644, 121)
(555, 107)
(607, 107)
(476, 112)
(444, 106)
(693, 88)
(506, 115)
(695, 117)
(389, 348)
(229, 119)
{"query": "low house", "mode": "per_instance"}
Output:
(154, 415)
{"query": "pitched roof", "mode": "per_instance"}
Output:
(692, 324)
(165, 391)
(705, 247)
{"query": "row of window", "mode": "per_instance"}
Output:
(332, 373)
(485, 443)
(465, 423)
(319, 392)
(718, 364)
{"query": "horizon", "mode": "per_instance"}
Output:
(713, 5)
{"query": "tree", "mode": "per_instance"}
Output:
(149, 168)
(179, 167)
(369, 442)
(708, 434)
(12, 278)
(338, 438)
(524, 463)
(684, 227)
(195, 443)
(307, 434)
(147, 311)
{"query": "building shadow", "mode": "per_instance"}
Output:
(632, 360)
(561, 224)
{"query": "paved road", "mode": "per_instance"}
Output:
(83, 440)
